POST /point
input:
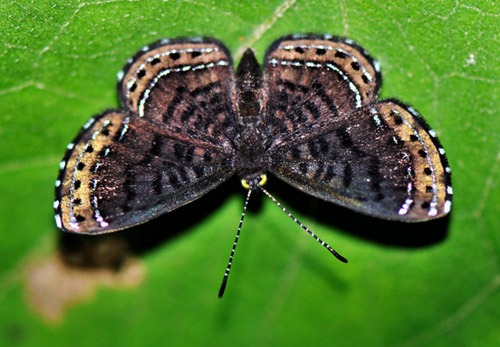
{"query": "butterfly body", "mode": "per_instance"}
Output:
(251, 139)
(310, 116)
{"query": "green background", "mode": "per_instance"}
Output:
(431, 284)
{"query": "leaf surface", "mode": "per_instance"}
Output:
(433, 284)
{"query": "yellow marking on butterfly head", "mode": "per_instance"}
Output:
(246, 185)
(263, 180)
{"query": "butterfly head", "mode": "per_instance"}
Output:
(251, 182)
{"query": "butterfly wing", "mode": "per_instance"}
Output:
(169, 147)
(186, 85)
(311, 79)
(380, 158)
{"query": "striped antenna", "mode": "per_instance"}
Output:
(323, 243)
(226, 274)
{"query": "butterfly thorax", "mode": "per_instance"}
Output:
(249, 142)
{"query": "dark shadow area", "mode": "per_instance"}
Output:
(112, 250)
(393, 233)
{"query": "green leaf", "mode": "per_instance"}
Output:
(424, 284)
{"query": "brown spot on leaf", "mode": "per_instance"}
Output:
(52, 287)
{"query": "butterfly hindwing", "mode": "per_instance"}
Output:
(310, 79)
(185, 84)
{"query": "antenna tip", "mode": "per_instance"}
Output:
(341, 258)
(223, 286)
(221, 290)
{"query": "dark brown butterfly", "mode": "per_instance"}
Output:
(311, 118)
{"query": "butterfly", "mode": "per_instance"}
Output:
(309, 117)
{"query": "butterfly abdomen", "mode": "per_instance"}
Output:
(249, 88)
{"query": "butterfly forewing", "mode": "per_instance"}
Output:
(396, 173)
(123, 171)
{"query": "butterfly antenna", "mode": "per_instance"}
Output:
(226, 273)
(323, 243)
